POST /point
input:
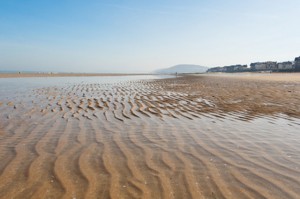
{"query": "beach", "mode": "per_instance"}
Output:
(192, 136)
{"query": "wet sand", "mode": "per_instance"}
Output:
(186, 137)
(253, 94)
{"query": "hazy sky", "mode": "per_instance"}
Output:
(141, 36)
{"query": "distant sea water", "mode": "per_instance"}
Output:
(14, 71)
(9, 86)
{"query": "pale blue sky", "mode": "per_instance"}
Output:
(141, 36)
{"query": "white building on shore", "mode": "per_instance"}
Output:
(269, 65)
(288, 65)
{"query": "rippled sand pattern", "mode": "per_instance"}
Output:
(145, 139)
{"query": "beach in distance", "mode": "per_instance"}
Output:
(212, 135)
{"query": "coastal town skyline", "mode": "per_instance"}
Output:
(272, 66)
(134, 36)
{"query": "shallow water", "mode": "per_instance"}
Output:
(11, 86)
(133, 139)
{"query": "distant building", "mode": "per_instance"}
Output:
(297, 64)
(215, 69)
(229, 69)
(240, 67)
(288, 65)
(261, 66)
(258, 66)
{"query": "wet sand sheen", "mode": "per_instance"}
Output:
(150, 139)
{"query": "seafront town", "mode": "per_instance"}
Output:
(270, 66)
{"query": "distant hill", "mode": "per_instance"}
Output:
(183, 68)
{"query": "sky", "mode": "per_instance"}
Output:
(142, 36)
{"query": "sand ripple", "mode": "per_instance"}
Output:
(146, 139)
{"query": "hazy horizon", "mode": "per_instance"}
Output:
(137, 36)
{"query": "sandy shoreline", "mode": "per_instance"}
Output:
(258, 76)
(250, 76)
(186, 137)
